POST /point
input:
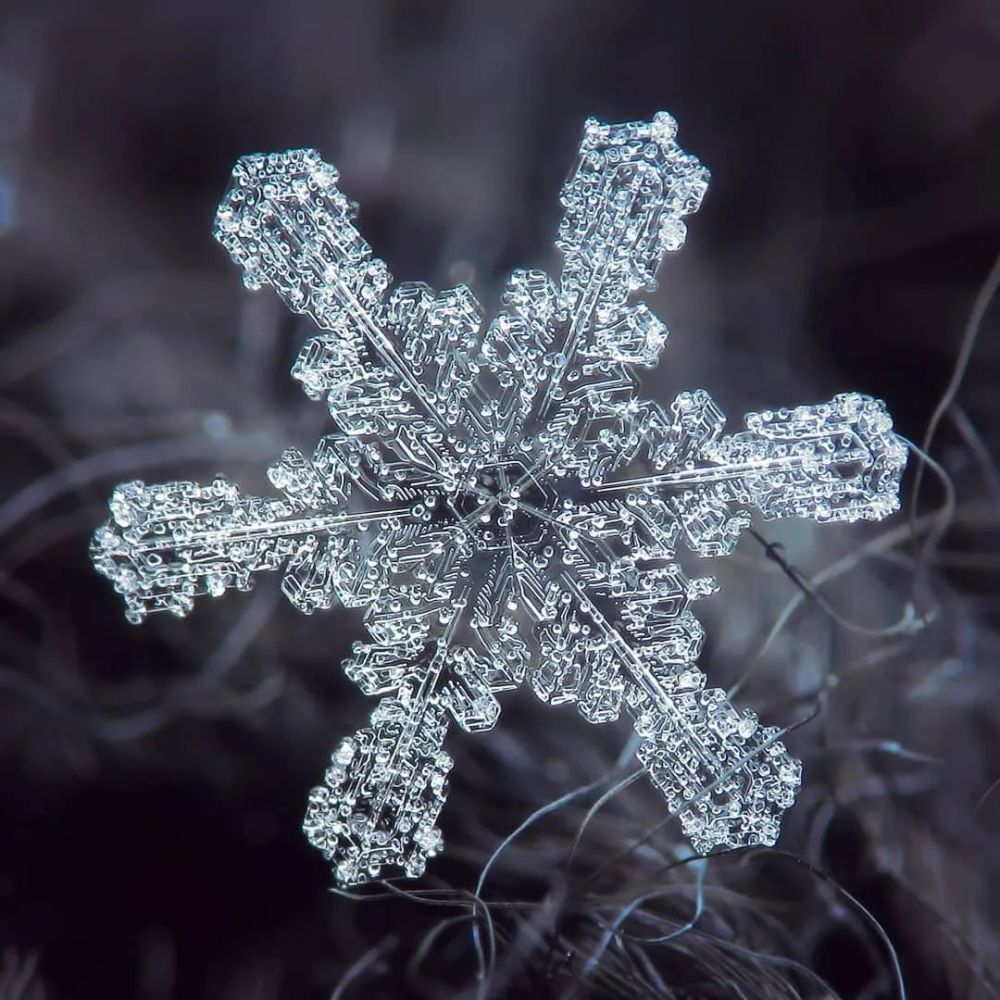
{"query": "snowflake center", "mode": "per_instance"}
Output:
(503, 503)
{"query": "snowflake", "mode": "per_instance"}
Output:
(501, 502)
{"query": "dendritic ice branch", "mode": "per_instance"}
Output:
(500, 500)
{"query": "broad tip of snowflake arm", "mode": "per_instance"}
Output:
(286, 224)
(152, 548)
(624, 208)
(382, 794)
(727, 779)
(834, 461)
(624, 202)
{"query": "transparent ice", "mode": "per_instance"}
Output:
(501, 502)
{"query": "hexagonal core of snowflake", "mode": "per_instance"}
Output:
(503, 504)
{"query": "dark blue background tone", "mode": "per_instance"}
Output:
(152, 780)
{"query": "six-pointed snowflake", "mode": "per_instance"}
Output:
(501, 502)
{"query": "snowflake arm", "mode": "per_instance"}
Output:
(386, 785)
(624, 207)
(396, 365)
(501, 502)
(835, 461)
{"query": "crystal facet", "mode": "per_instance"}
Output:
(500, 500)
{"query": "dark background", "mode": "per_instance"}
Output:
(152, 780)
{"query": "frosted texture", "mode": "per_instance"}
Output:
(501, 502)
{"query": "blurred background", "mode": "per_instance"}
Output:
(152, 780)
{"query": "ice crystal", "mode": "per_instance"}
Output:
(500, 500)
